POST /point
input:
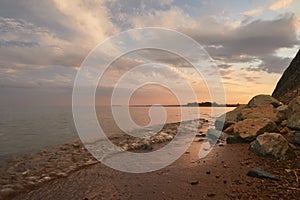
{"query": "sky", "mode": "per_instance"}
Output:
(43, 44)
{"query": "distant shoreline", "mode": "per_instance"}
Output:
(227, 105)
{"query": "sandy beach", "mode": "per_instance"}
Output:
(220, 175)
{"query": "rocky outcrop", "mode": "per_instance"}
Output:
(294, 121)
(272, 145)
(294, 106)
(260, 106)
(249, 129)
(263, 99)
(263, 111)
(288, 86)
(267, 123)
(293, 114)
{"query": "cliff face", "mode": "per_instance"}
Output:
(288, 86)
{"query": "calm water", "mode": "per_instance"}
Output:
(25, 130)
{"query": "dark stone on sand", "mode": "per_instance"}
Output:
(234, 139)
(76, 145)
(211, 194)
(201, 135)
(258, 172)
(146, 147)
(194, 182)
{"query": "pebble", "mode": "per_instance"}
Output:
(211, 194)
(7, 192)
(194, 182)
(76, 145)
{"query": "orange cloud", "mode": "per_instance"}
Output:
(254, 11)
(280, 4)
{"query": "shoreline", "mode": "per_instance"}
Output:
(222, 174)
(24, 173)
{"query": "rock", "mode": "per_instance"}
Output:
(61, 174)
(211, 194)
(288, 86)
(76, 145)
(234, 139)
(194, 182)
(7, 192)
(146, 147)
(297, 138)
(272, 145)
(249, 129)
(294, 121)
(284, 130)
(282, 112)
(200, 135)
(264, 111)
(229, 130)
(229, 118)
(258, 172)
(283, 123)
(263, 99)
(294, 106)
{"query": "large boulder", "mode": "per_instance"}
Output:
(272, 145)
(263, 99)
(262, 111)
(249, 129)
(288, 86)
(224, 121)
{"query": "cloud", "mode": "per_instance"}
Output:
(90, 19)
(280, 4)
(254, 11)
(272, 63)
(22, 42)
(231, 42)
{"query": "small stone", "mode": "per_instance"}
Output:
(62, 174)
(211, 194)
(76, 145)
(201, 135)
(261, 173)
(7, 192)
(194, 182)
(208, 172)
(46, 178)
